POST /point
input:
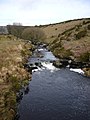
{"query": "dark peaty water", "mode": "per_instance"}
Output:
(57, 94)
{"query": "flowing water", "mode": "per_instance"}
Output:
(55, 94)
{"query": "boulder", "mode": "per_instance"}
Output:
(57, 64)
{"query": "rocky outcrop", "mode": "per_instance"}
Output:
(73, 64)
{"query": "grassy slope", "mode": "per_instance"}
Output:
(70, 39)
(12, 73)
(53, 30)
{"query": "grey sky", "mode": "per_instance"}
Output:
(36, 12)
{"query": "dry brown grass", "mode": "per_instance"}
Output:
(78, 47)
(51, 29)
(67, 33)
(73, 36)
(12, 73)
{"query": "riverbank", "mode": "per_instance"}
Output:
(70, 41)
(13, 76)
(63, 63)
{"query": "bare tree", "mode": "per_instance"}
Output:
(33, 34)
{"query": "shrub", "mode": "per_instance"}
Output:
(81, 34)
(85, 57)
(55, 28)
(62, 53)
(66, 53)
(68, 30)
(15, 30)
(88, 27)
(86, 22)
(59, 35)
(33, 34)
(83, 22)
(15, 83)
(56, 43)
(77, 28)
(52, 36)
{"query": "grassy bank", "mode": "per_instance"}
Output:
(13, 76)
(70, 40)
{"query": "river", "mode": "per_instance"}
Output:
(55, 94)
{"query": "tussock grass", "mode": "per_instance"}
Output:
(12, 73)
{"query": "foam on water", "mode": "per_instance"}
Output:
(77, 70)
(49, 66)
(46, 65)
(41, 49)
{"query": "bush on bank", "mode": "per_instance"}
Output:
(33, 34)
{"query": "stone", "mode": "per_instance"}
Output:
(57, 64)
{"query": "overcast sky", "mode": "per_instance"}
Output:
(36, 12)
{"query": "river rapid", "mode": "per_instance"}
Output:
(55, 94)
